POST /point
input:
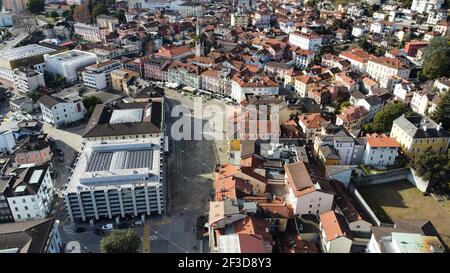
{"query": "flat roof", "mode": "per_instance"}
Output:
(71, 55)
(36, 176)
(24, 52)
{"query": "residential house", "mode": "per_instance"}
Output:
(336, 236)
(381, 150)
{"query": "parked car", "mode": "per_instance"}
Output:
(137, 223)
(107, 227)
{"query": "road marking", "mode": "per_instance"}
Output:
(146, 238)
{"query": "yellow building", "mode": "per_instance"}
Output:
(122, 79)
(417, 133)
(328, 155)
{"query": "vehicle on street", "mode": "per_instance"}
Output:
(99, 232)
(107, 227)
(137, 223)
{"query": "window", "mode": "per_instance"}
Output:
(18, 216)
(16, 208)
(28, 215)
(317, 212)
(26, 207)
(24, 201)
(310, 206)
(14, 202)
(309, 212)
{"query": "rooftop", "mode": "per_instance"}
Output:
(24, 52)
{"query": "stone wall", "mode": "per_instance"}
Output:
(374, 219)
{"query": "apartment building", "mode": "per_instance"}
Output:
(62, 109)
(68, 63)
(306, 41)
(243, 84)
(98, 75)
(381, 150)
(384, 70)
(27, 80)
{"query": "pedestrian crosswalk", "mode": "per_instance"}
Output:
(146, 238)
(68, 229)
(159, 221)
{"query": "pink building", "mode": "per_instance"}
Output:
(153, 68)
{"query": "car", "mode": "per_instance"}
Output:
(80, 230)
(99, 232)
(123, 225)
(107, 227)
(138, 223)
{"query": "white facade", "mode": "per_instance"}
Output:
(67, 63)
(358, 31)
(377, 156)
(316, 202)
(7, 141)
(64, 112)
(383, 73)
(303, 60)
(420, 103)
(340, 244)
(28, 81)
(99, 76)
(436, 16)
(422, 6)
(130, 182)
(238, 92)
(35, 206)
(306, 41)
(240, 20)
(90, 33)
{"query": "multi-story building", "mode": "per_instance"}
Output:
(380, 150)
(68, 63)
(217, 80)
(92, 33)
(412, 47)
(384, 69)
(185, 74)
(116, 178)
(242, 85)
(306, 41)
(358, 59)
(122, 79)
(98, 75)
(28, 80)
(436, 16)
(239, 20)
(335, 235)
(352, 117)
(62, 110)
(303, 84)
(29, 55)
(30, 194)
(425, 6)
(154, 68)
(107, 22)
(421, 101)
(33, 149)
(190, 9)
(419, 133)
(302, 58)
(7, 141)
(261, 18)
(305, 195)
(5, 211)
(311, 124)
(37, 236)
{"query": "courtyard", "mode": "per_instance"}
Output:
(401, 200)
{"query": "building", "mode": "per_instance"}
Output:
(98, 75)
(406, 236)
(6, 215)
(174, 53)
(305, 194)
(311, 124)
(425, 6)
(421, 101)
(302, 58)
(417, 133)
(37, 236)
(33, 149)
(349, 150)
(30, 193)
(29, 55)
(107, 22)
(154, 68)
(122, 79)
(352, 117)
(359, 31)
(92, 33)
(190, 9)
(384, 69)
(239, 20)
(28, 80)
(185, 74)
(7, 141)
(116, 178)
(141, 120)
(303, 84)
(412, 47)
(381, 150)
(242, 85)
(217, 80)
(62, 110)
(306, 41)
(336, 236)
(67, 64)
(358, 59)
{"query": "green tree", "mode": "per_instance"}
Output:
(438, 65)
(36, 6)
(54, 14)
(437, 44)
(382, 122)
(121, 242)
(430, 165)
(98, 9)
(120, 14)
(442, 112)
(90, 102)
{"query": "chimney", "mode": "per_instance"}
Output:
(425, 128)
(439, 126)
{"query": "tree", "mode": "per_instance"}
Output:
(120, 14)
(66, 13)
(90, 102)
(442, 112)
(98, 9)
(438, 65)
(437, 44)
(382, 122)
(26, 22)
(82, 14)
(121, 242)
(54, 14)
(36, 6)
(430, 165)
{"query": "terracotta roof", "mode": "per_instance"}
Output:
(251, 243)
(356, 54)
(352, 112)
(390, 62)
(305, 79)
(376, 140)
(253, 225)
(312, 121)
(335, 226)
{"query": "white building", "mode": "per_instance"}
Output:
(116, 178)
(98, 76)
(62, 110)
(28, 80)
(359, 31)
(380, 150)
(421, 101)
(92, 33)
(302, 58)
(336, 236)
(7, 141)
(384, 70)
(422, 6)
(239, 20)
(404, 91)
(6, 19)
(241, 85)
(436, 16)
(31, 194)
(306, 41)
(67, 63)
(305, 195)
(358, 59)
(190, 9)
